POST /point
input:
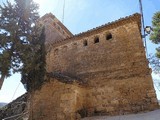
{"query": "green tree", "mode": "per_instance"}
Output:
(155, 38)
(21, 41)
(33, 71)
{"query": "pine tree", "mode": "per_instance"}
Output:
(155, 35)
(20, 39)
(33, 71)
(155, 38)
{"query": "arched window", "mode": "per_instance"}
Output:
(59, 28)
(55, 51)
(96, 40)
(65, 48)
(75, 45)
(54, 24)
(108, 36)
(85, 43)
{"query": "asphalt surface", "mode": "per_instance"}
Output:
(153, 115)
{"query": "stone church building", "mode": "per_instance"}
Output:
(103, 71)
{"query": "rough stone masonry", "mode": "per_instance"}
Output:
(103, 71)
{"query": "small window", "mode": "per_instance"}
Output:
(56, 51)
(74, 45)
(54, 24)
(65, 48)
(68, 36)
(96, 40)
(85, 43)
(109, 36)
(59, 28)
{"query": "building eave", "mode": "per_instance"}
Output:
(110, 25)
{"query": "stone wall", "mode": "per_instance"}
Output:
(64, 101)
(55, 31)
(57, 101)
(124, 51)
(111, 61)
(17, 109)
(123, 96)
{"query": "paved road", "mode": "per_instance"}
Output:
(153, 115)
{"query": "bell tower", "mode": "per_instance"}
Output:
(55, 31)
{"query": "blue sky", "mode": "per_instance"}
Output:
(80, 16)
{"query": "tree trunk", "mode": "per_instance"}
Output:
(1, 81)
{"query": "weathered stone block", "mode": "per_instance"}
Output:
(154, 100)
(60, 116)
(115, 102)
(127, 108)
(151, 94)
(99, 108)
(110, 109)
(67, 96)
(125, 101)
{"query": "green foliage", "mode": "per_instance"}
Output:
(21, 42)
(155, 36)
(158, 52)
(33, 71)
(154, 63)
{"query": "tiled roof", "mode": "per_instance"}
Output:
(120, 21)
(132, 18)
